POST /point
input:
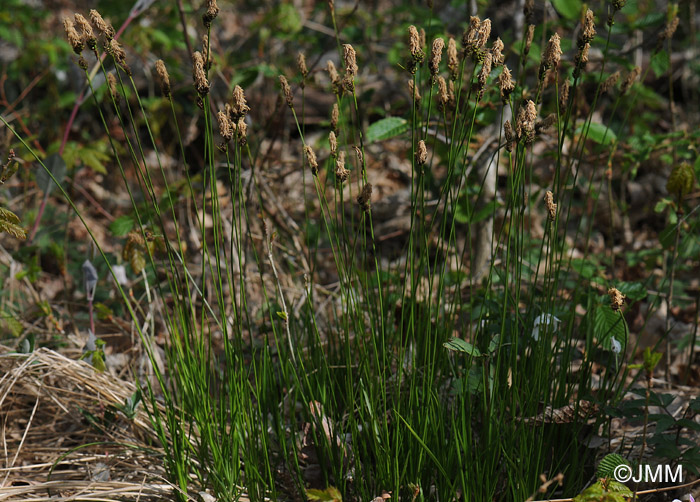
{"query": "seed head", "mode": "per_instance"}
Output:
(529, 10)
(610, 82)
(587, 30)
(201, 84)
(163, 77)
(116, 51)
(333, 142)
(414, 44)
(206, 51)
(335, 115)
(225, 126)
(616, 298)
(341, 174)
(668, 32)
(365, 197)
(102, 26)
(525, 123)
(564, 94)
(436, 56)
(350, 58)
(443, 96)
(311, 159)
(421, 153)
(240, 107)
(301, 64)
(581, 58)
(75, 40)
(360, 157)
(550, 205)
(452, 60)
(630, 79)
(287, 91)
(112, 83)
(211, 13)
(509, 134)
(552, 53)
(528, 39)
(483, 33)
(497, 52)
(335, 78)
(451, 93)
(242, 130)
(506, 84)
(484, 73)
(86, 28)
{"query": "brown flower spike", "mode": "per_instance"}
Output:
(550, 205)
(311, 158)
(163, 77)
(365, 196)
(616, 298)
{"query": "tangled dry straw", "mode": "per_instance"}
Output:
(45, 402)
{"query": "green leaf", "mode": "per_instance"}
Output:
(570, 9)
(597, 132)
(460, 345)
(660, 63)
(386, 128)
(609, 324)
(55, 164)
(121, 226)
(606, 467)
(330, 494)
(633, 290)
(14, 230)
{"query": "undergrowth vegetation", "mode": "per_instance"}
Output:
(477, 347)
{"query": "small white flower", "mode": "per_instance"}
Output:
(615, 345)
(544, 320)
(120, 274)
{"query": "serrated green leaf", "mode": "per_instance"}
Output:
(597, 132)
(121, 226)
(570, 9)
(606, 467)
(633, 290)
(660, 63)
(609, 324)
(94, 159)
(460, 345)
(14, 230)
(330, 494)
(8, 216)
(386, 128)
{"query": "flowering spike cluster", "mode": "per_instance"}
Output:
(163, 77)
(452, 59)
(210, 14)
(475, 37)
(201, 84)
(435, 57)
(415, 48)
(350, 59)
(506, 84)
(525, 122)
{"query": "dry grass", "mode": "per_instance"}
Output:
(51, 450)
